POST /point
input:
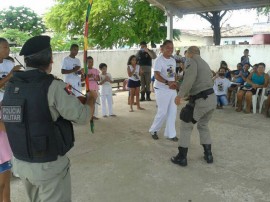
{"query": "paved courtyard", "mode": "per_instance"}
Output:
(122, 163)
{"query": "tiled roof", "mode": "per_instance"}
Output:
(227, 31)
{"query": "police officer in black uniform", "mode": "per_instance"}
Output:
(37, 110)
(145, 57)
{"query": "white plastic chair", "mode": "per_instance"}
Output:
(263, 98)
(257, 99)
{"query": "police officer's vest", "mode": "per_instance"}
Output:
(144, 59)
(33, 135)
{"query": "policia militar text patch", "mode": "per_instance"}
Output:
(12, 114)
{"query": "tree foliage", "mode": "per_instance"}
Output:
(214, 17)
(263, 11)
(62, 42)
(22, 19)
(15, 36)
(112, 22)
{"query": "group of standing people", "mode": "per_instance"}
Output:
(74, 75)
(37, 110)
(197, 87)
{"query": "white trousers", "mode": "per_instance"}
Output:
(109, 100)
(166, 110)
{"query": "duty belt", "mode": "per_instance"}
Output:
(203, 94)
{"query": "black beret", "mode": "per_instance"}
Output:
(35, 45)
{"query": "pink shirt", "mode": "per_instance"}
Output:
(93, 74)
(5, 151)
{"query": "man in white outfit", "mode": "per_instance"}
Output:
(71, 69)
(165, 86)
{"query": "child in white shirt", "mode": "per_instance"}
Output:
(106, 90)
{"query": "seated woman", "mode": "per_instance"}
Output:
(239, 78)
(255, 80)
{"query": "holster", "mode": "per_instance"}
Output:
(186, 113)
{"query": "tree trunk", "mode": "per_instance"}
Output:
(216, 28)
(214, 18)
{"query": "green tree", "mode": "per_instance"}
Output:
(214, 17)
(112, 22)
(15, 36)
(62, 42)
(263, 11)
(22, 19)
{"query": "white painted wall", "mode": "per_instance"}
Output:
(117, 59)
(189, 40)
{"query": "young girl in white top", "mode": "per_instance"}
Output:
(106, 90)
(134, 83)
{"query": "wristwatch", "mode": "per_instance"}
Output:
(166, 82)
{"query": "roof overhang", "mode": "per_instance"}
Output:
(182, 7)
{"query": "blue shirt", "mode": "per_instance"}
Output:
(240, 79)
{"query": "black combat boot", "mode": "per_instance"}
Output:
(142, 96)
(148, 96)
(181, 157)
(208, 157)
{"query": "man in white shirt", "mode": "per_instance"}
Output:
(221, 85)
(71, 69)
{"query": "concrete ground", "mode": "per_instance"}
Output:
(122, 163)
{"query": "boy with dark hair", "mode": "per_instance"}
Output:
(245, 57)
(71, 67)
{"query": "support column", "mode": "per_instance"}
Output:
(169, 25)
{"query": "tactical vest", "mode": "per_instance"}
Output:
(144, 59)
(33, 135)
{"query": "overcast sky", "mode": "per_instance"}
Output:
(238, 17)
(39, 6)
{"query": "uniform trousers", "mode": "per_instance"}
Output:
(203, 112)
(166, 110)
(146, 79)
(46, 181)
(55, 190)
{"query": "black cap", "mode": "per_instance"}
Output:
(35, 45)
